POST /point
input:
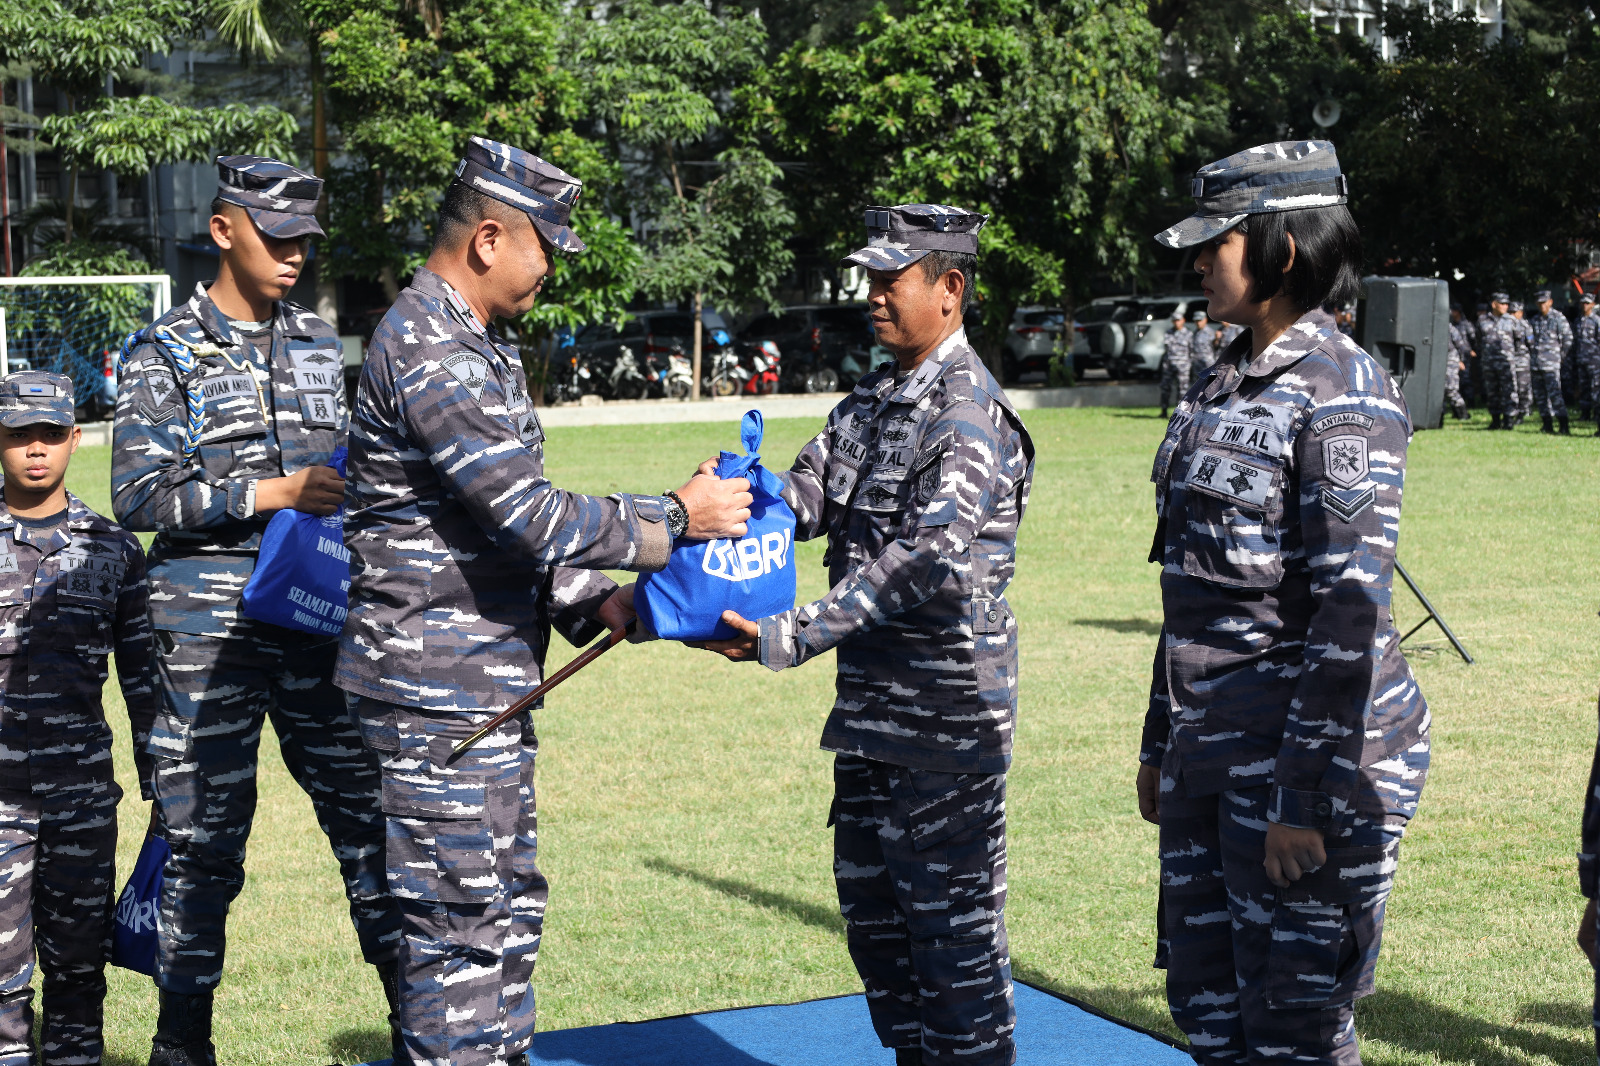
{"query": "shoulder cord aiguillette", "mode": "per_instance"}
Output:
(183, 357)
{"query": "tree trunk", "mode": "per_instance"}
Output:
(694, 388)
(327, 289)
(72, 189)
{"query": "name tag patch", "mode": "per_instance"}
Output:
(219, 387)
(314, 379)
(1261, 439)
(1223, 475)
(1343, 418)
(8, 561)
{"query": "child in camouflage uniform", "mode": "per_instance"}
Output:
(72, 590)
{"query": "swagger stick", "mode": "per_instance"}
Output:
(590, 654)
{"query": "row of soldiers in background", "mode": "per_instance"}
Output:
(1186, 353)
(1516, 362)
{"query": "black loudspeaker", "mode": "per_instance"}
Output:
(1404, 323)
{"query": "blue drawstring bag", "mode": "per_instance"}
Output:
(302, 575)
(753, 575)
(134, 935)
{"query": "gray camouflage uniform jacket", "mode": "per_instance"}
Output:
(1552, 336)
(1278, 501)
(919, 485)
(1500, 333)
(462, 553)
(67, 600)
(256, 425)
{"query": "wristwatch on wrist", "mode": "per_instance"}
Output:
(677, 514)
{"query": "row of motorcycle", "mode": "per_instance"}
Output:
(728, 368)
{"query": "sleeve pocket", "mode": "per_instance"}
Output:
(968, 804)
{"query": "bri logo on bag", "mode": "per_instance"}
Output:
(748, 557)
(137, 915)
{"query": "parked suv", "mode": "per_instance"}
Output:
(1031, 340)
(1122, 335)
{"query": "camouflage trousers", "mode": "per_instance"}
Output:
(462, 844)
(1452, 384)
(1261, 974)
(1547, 398)
(1174, 382)
(218, 694)
(1500, 387)
(57, 896)
(1587, 373)
(1524, 377)
(920, 867)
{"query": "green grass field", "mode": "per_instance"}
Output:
(683, 798)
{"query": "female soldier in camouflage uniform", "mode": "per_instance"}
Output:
(1286, 742)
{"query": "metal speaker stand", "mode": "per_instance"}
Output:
(1433, 614)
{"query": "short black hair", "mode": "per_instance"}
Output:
(219, 206)
(1327, 255)
(936, 263)
(462, 208)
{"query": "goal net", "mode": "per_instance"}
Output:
(75, 326)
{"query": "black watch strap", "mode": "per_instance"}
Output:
(677, 514)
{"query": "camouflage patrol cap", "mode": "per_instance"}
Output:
(30, 397)
(1177, 315)
(1499, 298)
(1282, 176)
(899, 236)
(1515, 306)
(280, 199)
(1541, 296)
(542, 191)
(1586, 298)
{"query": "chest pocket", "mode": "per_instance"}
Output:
(88, 577)
(1233, 514)
(232, 406)
(11, 598)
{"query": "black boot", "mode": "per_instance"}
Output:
(389, 975)
(1547, 424)
(1163, 418)
(912, 1056)
(183, 1031)
(1494, 420)
(1566, 427)
(1462, 414)
(518, 1060)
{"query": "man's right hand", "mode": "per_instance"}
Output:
(1148, 785)
(314, 490)
(718, 507)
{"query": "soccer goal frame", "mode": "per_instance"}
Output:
(160, 302)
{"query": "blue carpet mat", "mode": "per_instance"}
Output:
(837, 1032)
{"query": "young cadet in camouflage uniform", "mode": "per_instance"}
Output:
(919, 482)
(1586, 357)
(1460, 352)
(1496, 355)
(72, 590)
(463, 557)
(1285, 743)
(229, 407)
(1551, 336)
(1176, 348)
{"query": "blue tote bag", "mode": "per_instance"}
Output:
(134, 936)
(753, 574)
(302, 575)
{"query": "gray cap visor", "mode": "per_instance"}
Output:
(282, 225)
(1197, 229)
(884, 257)
(560, 236)
(21, 418)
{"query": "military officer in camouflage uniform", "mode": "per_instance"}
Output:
(1460, 353)
(72, 590)
(228, 408)
(1285, 742)
(1586, 356)
(1551, 336)
(463, 557)
(1521, 360)
(1496, 355)
(1202, 346)
(919, 482)
(1176, 348)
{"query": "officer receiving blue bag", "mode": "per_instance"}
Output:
(753, 574)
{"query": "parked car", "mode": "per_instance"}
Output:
(814, 341)
(1123, 335)
(1032, 339)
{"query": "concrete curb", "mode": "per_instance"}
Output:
(731, 409)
